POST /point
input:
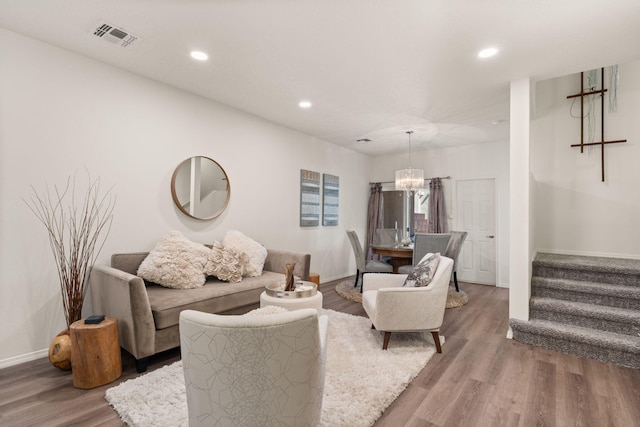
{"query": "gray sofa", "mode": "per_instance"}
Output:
(148, 314)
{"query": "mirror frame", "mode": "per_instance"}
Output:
(174, 194)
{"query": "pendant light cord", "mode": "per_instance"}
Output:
(409, 132)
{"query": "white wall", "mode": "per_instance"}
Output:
(61, 113)
(520, 210)
(480, 161)
(574, 211)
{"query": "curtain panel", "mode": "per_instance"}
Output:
(375, 216)
(437, 209)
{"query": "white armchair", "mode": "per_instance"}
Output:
(394, 308)
(266, 369)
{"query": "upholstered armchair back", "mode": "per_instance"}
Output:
(258, 370)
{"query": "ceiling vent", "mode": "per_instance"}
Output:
(115, 35)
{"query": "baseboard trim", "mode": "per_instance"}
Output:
(28, 357)
(332, 278)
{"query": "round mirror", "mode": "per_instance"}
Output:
(200, 188)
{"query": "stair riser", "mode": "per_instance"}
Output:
(589, 298)
(608, 355)
(586, 276)
(586, 321)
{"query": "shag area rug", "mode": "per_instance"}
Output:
(346, 290)
(361, 379)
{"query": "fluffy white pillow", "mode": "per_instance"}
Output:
(256, 254)
(175, 262)
(225, 264)
(269, 309)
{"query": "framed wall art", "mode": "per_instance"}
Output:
(309, 198)
(330, 199)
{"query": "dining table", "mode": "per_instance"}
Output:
(399, 254)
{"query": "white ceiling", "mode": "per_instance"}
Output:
(372, 68)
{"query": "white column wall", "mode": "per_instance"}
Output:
(61, 113)
(519, 211)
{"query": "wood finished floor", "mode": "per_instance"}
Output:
(480, 379)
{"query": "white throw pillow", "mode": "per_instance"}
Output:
(256, 254)
(175, 262)
(225, 264)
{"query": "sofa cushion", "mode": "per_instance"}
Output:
(214, 297)
(175, 262)
(255, 253)
(225, 264)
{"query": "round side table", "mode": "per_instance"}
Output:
(314, 301)
(95, 353)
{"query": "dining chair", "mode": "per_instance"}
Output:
(386, 236)
(362, 264)
(426, 243)
(453, 250)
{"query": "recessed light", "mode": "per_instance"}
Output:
(304, 104)
(200, 56)
(363, 140)
(486, 53)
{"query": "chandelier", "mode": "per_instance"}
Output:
(409, 179)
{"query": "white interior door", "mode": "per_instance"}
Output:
(475, 214)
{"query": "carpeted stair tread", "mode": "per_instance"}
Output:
(590, 292)
(585, 342)
(619, 271)
(584, 305)
(574, 333)
(612, 319)
(587, 287)
(589, 263)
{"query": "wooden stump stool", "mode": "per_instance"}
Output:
(95, 353)
(315, 278)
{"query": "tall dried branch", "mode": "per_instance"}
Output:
(77, 231)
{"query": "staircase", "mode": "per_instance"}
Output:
(587, 306)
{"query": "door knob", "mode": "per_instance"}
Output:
(490, 237)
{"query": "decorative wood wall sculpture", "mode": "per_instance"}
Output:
(602, 142)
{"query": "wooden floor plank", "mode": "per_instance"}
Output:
(480, 379)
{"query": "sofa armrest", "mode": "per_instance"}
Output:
(276, 260)
(124, 296)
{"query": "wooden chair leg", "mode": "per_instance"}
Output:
(385, 343)
(436, 338)
(455, 281)
(357, 277)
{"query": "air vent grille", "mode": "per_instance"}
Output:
(115, 35)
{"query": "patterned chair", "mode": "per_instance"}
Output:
(260, 370)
